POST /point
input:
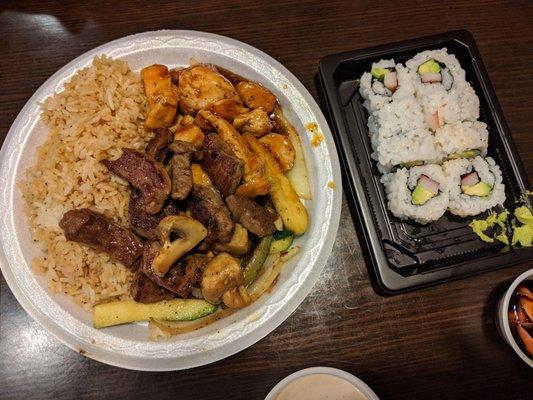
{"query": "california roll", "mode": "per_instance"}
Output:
(474, 185)
(418, 193)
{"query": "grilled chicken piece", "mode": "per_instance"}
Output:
(208, 207)
(221, 165)
(229, 75)
(181, 277)
(180, 165)
(251, 215)
(144, 224)
(281, 148)
(200, 86)
(144, 290)
(99, 232)
(162, 96)
(221, 274)
(175, 75)
(255, 122)
(156, 147)
(227, 109)
(190, 133)
(255, 96)
(223, 279)
(145, 174)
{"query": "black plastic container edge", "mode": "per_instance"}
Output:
(386, 280)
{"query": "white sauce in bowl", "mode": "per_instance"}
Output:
(320, 387)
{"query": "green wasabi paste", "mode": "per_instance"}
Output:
(479, 226)
(523, 235)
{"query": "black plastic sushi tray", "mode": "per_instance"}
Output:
(404, 255)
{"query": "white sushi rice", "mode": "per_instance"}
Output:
(459, 103)
(464, 205)
(376, 95)
(406, 147)
(399, 186)
(400, 115)
(462, 136)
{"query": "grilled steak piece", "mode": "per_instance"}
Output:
(156, 148)
(220, 163)
(181, 277)
(142, 223)
(145, 174)
(251, 215)
(144, 290)
(97, 231)
(180, 164)
(208, 207)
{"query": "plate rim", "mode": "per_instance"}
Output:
(107, 356)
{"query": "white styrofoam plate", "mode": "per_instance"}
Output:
(128, 346)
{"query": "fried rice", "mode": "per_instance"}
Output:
(98, 112)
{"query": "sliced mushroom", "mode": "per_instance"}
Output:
(145, 174)
(255, 122)
(221, 274)
(190, 232)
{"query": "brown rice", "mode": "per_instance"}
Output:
(99, 112)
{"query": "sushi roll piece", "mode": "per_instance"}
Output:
(406, 149)
(441, 87)
(418, 193)
(385, 82)
(400, 115)
(463, 139)
(474, 185)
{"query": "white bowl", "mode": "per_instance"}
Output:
(356, 382)
(502, 317)
(128, 345)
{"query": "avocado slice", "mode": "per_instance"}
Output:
(421, 196)
(465, 154)
(410, 164)
(379, 73)
(429, 67)
(480, 189)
